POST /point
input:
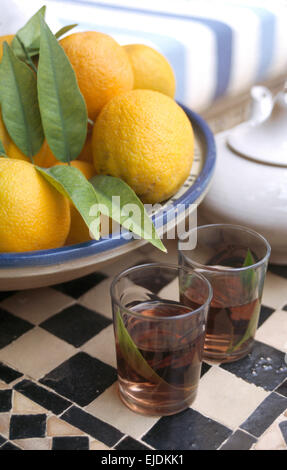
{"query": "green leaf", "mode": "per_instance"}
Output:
(64, 30)
(118, 197)
(73, 184)
(29, 36)
(248, 276)
(249, 260)
(132, 355)
(250, 331)
(19, 103)
(62, 106)
(2, 150)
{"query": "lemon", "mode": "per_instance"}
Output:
(146, 139)
(151, 69)
(79, 231)
(101, 65)
(44, 157)
(33, 214)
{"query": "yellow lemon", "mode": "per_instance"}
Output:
(146, 139)
(79, 231)
(33, 214)
(101, 65)
(151, 69)
(8, 38)
(44, 157)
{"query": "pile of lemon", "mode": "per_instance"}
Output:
(136, 132)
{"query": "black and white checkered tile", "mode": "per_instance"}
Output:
(58, 376)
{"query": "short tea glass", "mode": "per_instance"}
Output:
(159, 340)
(234, 259)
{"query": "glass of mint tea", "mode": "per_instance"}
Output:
(159, 339)
(234, 259)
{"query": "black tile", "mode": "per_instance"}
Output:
(204, 368)
(7, 374)
(2, 440)
(283, 429)
(265, 313)
(282, 389)
(27, 426)
(92, 426)
(80, 286)
(81, 378)
(264, 367)
(279, 270)
(265, 414)
(188, 430)
(128, 443)
(11, 327)
(239, 440)
(5, 400)
(76, 324)
(154, 283)
(43, 397)
(9, 446)
(70, 443)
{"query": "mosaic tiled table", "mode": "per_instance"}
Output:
(58, 375)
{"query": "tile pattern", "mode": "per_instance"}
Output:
(58, 385)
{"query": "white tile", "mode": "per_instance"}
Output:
(22, 405)
(102, 346)
(170, 291)
(96, 445)
(58, 427)
(36, 352)
(36, 305)
(226, 398)
(34, 443)
(274, 331)
(275, 291)
(110, 409)
(98, 298)
(4, 424)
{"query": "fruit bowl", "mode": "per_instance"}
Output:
(47, 267)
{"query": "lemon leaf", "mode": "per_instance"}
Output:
(62, 106)
(250, 330)
(72, 183)
(64, 30)
(120, 199)
(132, 355)
(2, 150)
(29, 36)
(19, 103)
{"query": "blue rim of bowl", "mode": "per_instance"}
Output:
(84, 250)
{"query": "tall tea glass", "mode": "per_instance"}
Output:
(159, 340)
(234, 259)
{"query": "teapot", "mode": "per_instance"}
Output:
(249, 186)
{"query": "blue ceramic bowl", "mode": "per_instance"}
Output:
(45, 267)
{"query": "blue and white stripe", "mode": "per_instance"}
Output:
(216, 47)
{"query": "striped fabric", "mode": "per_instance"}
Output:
(216, 47)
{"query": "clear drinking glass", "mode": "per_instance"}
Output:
(159, 340)
(234, 259)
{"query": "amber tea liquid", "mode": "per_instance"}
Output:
(161, 377)
(232, 319)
